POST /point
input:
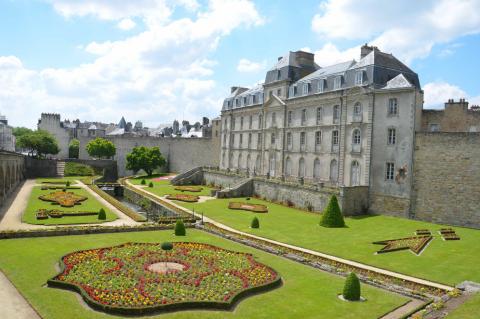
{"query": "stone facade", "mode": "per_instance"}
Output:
(455, 117)
(12, 172)
(7, 139)
(447, 178)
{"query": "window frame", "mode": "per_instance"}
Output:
(392, 107)
(319, 115)
(356, 137)
(391, 138)
(389, 171)
(335, 138)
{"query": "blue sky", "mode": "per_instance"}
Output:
(159, 60)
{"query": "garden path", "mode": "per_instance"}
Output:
(12, 303)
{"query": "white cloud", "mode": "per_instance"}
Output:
(126, 24)
(245, 66)
(408, 28)
(437, 93)
(152, 76)
(329, 54)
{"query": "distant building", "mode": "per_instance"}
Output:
(7, 139)
(455, 117)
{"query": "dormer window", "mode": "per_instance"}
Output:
(237, 102)
(245, 100)
(294, 91)
(321, 85)
(359, 78)
(337, 82)
(306, 88)
(279, 74)
(254, 99)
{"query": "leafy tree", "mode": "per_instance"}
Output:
(332, 216)
(255, 223)
(145, 158)
(100, 148)
(351, 290)
(74, 148)
(101, 214)
(180, 228)
(38, 143)
(19, 132)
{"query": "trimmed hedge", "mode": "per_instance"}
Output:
(78, 169)
(351, 290)
(332, 216)
(101, 214)
(180, 228)
(255, 223)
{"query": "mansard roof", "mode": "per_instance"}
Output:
(329, 70)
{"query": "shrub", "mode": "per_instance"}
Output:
(180, 228)
(255, 223)
(332, 216)
(67, 183)
(150, 184)
(78, 169)
(351, 290)
(101, 214)
(143, 182)
(167, 246)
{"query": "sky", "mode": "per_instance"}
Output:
(160, 60)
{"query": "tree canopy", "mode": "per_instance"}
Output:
(19, 132)
(100, 148)
(38, 143)
(145, 158)
(74, 148)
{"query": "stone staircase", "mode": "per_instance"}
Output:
(241, 189)
(192, 176)
(60, 169)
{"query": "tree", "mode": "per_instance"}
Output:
(332, 216)
(100, 148)
(19, 132)
(255, 223)
(38, 143)
(351, 290)
(74, 148)
(180, 228)
(145, 158)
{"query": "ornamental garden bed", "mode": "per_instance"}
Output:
(147, 279)
(415, 244)
(422, 232)
(55, 213)
(64, 199)
(194, 189)
(184, 198)
(256, 208)
(44, 188)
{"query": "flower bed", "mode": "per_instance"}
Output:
(415, 244)
(64, 199)
(44, 188)
(256, 208)
(136, 278)
(55, 213)
(422, 232)
(194, 189)
(184, 198)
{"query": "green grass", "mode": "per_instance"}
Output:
(446, 262)
(89, 205)
(468, 310)
(162, 188)
(306, 292)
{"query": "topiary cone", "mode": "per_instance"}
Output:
(101, 214)
(332, 215)
(180, 228)
(255, 223)
(351, 290)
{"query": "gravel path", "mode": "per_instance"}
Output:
(12, 303)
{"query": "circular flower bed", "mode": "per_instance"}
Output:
(256, 208)
(184, 197)
(130, 278)
(194, 189)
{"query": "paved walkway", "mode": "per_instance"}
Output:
(12, 303)
(403, 310)
(13, 210)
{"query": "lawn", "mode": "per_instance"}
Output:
(468, 310)
(306, 292)
(445, 262)
(89, 205)
(163, 187)
(60, 180)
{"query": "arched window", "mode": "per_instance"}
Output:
(288, 167)
(333, 171)
(357, 109)
(249, 164)
(316, 168)
(272, 165)
(356, 137)
(239, 161)
(301, 167)
(355, 174)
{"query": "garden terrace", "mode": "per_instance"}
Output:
(89, 204)
(312, 292)
(163, 187)
(192, 275)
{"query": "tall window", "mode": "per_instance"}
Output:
(250, 119)
(316, 168)
(318, 138)
(249, 140)
(321, 85)
(254, 99)
(259, 141)
(306, 88)
(237, 102)
(274, 118)
(356, 137)
(279, 74)
(279, 92)
(289, 118)
(302, 139)
(301, 167)
(336, 113)
(241, 123)
(333, 171)
(260, 120)
(289, 140)
(272, 139)
(392, 106)
(337, 82)
(241, 141)
(390, 171)
(359, 78)
(245, 100)
(357, 109)
(288, 167)
(319, 115)
(304, 116)
(392, 136)
(355, 174)
(233, 124)
(335, 138)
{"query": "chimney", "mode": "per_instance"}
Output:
(366, 49)
(233, 88)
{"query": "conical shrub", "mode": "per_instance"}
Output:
(180, 228)
(255, 223)
(351, 290)
(332, 216)
(101, 214)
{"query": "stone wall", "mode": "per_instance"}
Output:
(455, 117)
(389, 205)
(181, 153)
(12, 172)
(107, 167)
(447, 178)
(40, 167)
